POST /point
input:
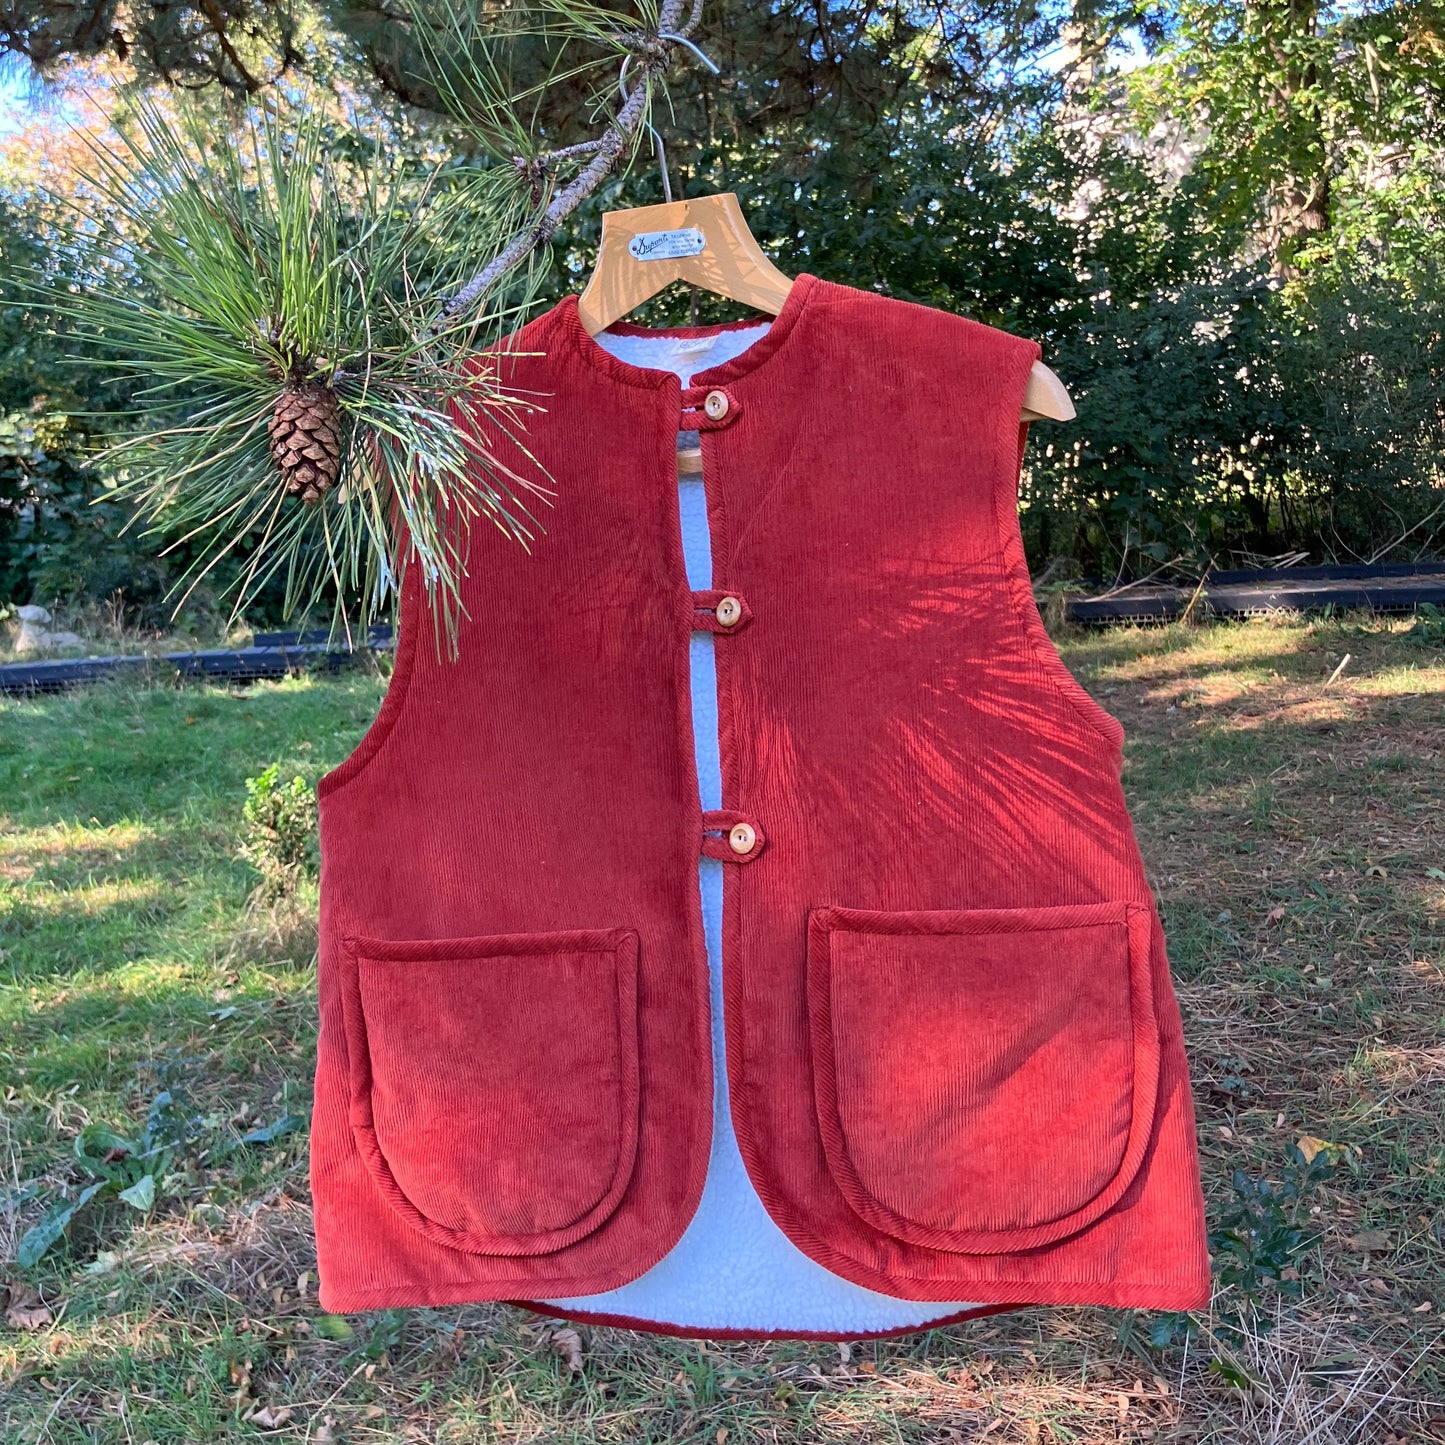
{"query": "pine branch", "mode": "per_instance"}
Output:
(212, 13)
(261, 287)
(654, 51)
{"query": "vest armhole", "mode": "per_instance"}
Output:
(1101, 723)
(408, 630)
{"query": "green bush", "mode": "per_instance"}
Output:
(280, 832)
(1239, 418)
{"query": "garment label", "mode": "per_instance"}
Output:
(667, 245)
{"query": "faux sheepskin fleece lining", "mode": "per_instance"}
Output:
(733, 1269)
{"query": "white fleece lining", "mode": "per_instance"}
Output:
(733, 1268)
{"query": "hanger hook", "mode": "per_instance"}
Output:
(683, 40)
(656, 136)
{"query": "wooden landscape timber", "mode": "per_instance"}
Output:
(1392, 588)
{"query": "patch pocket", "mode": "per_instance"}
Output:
(985, 1080)
(494, 1092)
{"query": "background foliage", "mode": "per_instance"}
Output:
(1221, 219)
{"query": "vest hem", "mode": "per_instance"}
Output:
(1019, 1295)
(739, 1332)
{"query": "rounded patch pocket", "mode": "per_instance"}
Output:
(494, 1082)
(985, 1080)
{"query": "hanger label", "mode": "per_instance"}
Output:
(667, 245)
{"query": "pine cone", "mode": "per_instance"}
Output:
(305, 431)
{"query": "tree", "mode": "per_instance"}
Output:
(242, 45)
(1301, 107)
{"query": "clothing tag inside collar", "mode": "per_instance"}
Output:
(667, 245)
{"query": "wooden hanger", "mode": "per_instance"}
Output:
(727, 261)
(647, 248)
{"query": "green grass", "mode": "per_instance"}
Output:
(1294, 834)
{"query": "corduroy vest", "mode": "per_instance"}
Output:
(747, 935)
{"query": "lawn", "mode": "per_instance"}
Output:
(1291, 816)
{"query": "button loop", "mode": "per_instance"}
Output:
(718, 611)
(706, 408)
(730, 836)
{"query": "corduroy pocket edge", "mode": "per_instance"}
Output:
(985, 1079)
(494, 1082)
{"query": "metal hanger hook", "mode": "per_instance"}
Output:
(683, 40)
(656, 136)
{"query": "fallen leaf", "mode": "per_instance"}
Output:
(1423, 1309)
(1311, 1147)
(25, 1310)
(270, 1417)
(1275, 915)
(1375, 871)
(333, 1327)
(568, 1344)
(1370, 1241)
(845, 1352)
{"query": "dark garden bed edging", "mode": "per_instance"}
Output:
(1379, 588)
(271, 655)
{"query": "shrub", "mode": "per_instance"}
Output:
(280, 832)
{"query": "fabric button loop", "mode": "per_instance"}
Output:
(733, 837)
(719, 610)
(706, 408)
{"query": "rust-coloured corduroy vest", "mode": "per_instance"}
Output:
(954, 1070)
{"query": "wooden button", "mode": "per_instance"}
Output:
(742, 838)
(716, 405)
(728, 612)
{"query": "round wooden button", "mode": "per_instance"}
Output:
(715, 404)
(742, 838)
(728, 612)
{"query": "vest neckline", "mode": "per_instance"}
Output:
(765, 347)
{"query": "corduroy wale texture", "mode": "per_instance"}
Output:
(953, 1049)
